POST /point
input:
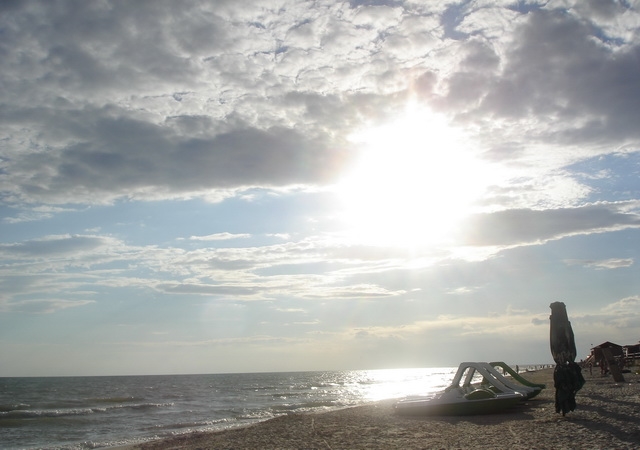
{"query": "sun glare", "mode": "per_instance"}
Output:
(416, 179)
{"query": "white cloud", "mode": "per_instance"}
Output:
(220, 237)
(625, 306)
(612, 263)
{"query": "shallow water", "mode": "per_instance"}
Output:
(94, 412)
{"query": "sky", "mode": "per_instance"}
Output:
(281, 185)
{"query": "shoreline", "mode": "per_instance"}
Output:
(606, 416)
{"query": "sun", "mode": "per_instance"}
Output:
(416, 179)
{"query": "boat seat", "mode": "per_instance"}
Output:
(480, 394)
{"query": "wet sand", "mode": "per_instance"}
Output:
(607, 417)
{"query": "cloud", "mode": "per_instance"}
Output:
(625, 306)
(45, 306)
(558, 67)
(612, 263)
(209, 290)
(54, 246)
(123, 116)
(547, 88)
(222, 99)
(352, 291)
(129, 157)
(220, 237)
(462, 290)
(526, 226)
(72, 264)
(36, 213)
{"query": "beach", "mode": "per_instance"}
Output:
(607, 417)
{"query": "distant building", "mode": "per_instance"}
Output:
(624, 355)
(631, 351)
(598, 357)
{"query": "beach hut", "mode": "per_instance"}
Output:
(631, 351)
(610, 358)
(631, 354)
(597, 351)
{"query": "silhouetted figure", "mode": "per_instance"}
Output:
(567, 376)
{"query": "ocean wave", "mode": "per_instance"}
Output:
(32, 414)
(13, 407)
(188, 425)
(149, 405)
(285, 395)
(304, 386)
(116, 399)
(258, 388)
(306, 405)
(255, 415)
(323, 385)
(51, 413)
(89, 445)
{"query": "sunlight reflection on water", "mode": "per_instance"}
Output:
(395, 383)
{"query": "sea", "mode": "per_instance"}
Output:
(101, 412)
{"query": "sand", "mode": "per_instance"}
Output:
(607, 417)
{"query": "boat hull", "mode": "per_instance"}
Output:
(457, 406)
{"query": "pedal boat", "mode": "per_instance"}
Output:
(463, 397)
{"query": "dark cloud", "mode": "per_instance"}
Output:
(120, 156)
(605, 9)
(526, 226)
(559, 71)
(358, 3)
(53, 246)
